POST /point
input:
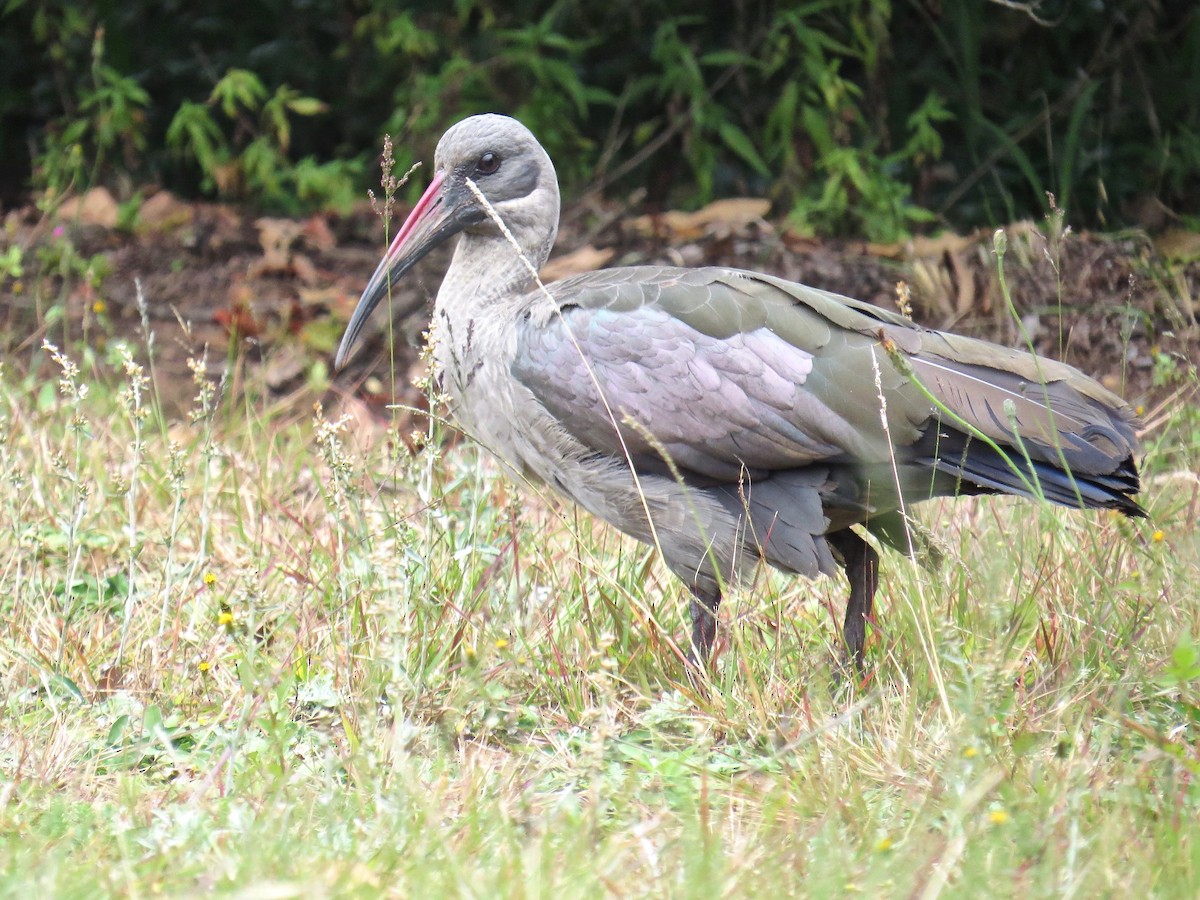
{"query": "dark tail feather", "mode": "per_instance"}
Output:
(980, 467)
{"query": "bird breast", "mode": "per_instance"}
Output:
(472, 363)
(472, 358)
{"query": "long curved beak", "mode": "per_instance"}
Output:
(434, 219)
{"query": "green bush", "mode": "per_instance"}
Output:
(856, 116)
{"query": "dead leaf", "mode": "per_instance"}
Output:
(228, 177)
(163, 212)
(96, 207)
(304, 268)
(932, 291)
(364, 429)
(585, 259)
(800, 241)
(181, 432)
(276, 237)
(733, 212)
(111, 679)
(327, 297)
(237, 318)
(966, 283)
(318, 234)
(284, 365)
(922, 247)
(729, 214)
(1178, 245)
(216, 225)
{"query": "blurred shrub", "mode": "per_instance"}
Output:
(857, 116)
(244, 151)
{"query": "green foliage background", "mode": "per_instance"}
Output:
(867, 117)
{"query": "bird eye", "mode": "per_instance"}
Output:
(488, 163)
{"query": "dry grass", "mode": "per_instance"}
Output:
(230, 662)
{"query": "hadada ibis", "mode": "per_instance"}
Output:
(727, 416)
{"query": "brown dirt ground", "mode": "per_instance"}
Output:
(272, 295)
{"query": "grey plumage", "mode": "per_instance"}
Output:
(730, 416)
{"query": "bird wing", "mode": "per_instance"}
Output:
(716, 370)
(722, 371)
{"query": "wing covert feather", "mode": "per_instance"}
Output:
(720, 371)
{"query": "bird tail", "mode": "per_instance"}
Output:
(979, 467)
(1065, 439)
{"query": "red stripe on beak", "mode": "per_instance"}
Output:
(427, 202)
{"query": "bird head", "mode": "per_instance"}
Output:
(507, 166)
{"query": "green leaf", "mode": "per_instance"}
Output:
(1070, 147)
(726, 58)
(737, 141)
(817, 127)
(307, 106)
(193, 131)
(321, 335)
(62, 685)
(1184, 667)
(46, 396)
(116, 732)
(1019, 156)
(239, 86)
(1024, 742)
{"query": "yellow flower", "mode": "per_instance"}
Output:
(1159, 536)
(204, 665)
(998, 817)
(1140, 410)
(225, 618)
(501, 643)
(884, 845)
(970, 753)
(209, 579)
(99, 307)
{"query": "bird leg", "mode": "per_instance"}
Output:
(704, 624)
(861, 563)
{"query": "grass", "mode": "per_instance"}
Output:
(249, 652)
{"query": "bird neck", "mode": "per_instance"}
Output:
(487, 273)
